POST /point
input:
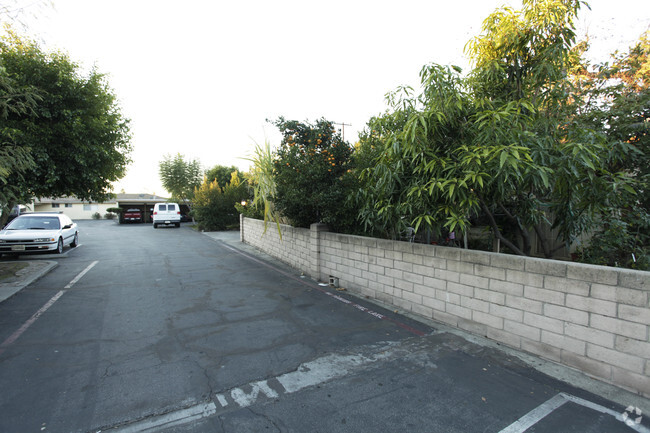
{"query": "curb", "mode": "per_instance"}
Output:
(25, 277)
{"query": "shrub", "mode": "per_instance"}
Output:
(110, 216)
(623, 241)
(214, 207)
(97, 216)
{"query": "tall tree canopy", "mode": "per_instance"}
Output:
(223, 174)
(614, 99)
(501, 143)
(180, 177)
(64, 130)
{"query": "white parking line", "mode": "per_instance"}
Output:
(537, 414)
(81, 274)
(13, 337)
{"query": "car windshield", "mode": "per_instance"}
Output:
(35, 223)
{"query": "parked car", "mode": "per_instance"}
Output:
(166, 213)
(132, 216)
(17, 210)
(38, 232)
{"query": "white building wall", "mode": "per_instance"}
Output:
(76, 211)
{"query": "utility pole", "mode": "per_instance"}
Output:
(343, 125)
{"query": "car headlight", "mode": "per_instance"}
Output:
(44, 240)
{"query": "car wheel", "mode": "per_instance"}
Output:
(75, 241)
(178, 225)
(155, 225)
(59, 246)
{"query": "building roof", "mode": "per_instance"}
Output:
(45, 200)
(140, 197)
(124, 198)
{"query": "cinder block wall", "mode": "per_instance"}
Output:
(593, 318)
(292, 248)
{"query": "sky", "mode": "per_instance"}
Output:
(202, 77)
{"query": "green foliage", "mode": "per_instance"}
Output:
(180, 177)
(62, 133)
(623, 241)
(71, 125)
(15, 160)
(214, 206)
(310, 167)
(499, 144)
(614, 99)
(262, 181)
(97, 216)
(222, 174)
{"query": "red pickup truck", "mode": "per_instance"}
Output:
(132, 216)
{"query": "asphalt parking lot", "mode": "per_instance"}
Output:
(195, 332)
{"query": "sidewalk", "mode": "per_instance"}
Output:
(15, 275)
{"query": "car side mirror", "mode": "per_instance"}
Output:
(67, 226)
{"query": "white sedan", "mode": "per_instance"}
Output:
(38, 232)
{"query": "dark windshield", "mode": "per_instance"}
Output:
(34, 223)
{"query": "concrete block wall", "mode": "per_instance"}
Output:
(293, 248)
(593, 318)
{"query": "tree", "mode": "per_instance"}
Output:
(614, 99)
(310, 170)
(384, 209)
(215, 207)
(222, 174)
(180, 177)
(499, 144)
(71, 127)
(15, 160)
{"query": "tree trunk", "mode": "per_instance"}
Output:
(497, 232)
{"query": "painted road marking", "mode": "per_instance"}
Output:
(245, 399)
(546, 408)
(80, 275)
(307, 375)
(171, 419)
(13, 337)
(318, 371)
(337, 297)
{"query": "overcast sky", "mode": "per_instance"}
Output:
(201, 77)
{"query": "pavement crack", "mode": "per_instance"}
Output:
(267, 418)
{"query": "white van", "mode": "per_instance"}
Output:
(166, 213)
